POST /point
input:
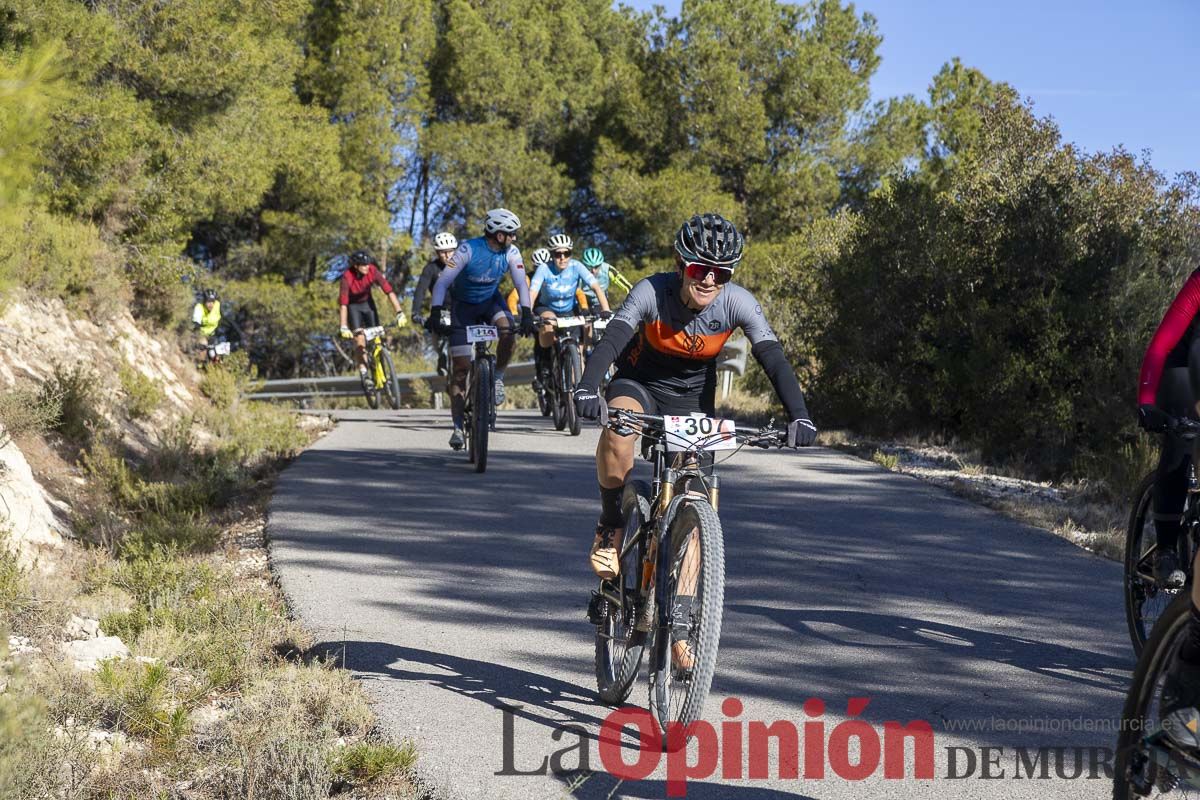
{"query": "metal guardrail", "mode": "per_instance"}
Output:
(732, 360)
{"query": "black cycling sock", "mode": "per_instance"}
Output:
(1189, 651)
(610, 507)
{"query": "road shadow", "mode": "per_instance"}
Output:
(842, 579)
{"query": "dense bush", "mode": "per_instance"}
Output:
(1010, 300)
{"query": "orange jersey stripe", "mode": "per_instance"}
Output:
(683, 344)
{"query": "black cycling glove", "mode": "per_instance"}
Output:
(526, 321)
(1153, 419)
(606, 314)
(587, 402)
(801, 433)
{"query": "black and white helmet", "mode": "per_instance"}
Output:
(501, 220)
(445, 241)
(710, 239)
(560, 241)
(541, 256)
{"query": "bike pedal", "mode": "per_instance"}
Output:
(595, 609)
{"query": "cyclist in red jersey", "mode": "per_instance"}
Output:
(356, 307)
(1167, 388)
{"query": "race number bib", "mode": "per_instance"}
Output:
(221, 349)
(698, 432)
(569, 322)
(482, 333)
(373, 333)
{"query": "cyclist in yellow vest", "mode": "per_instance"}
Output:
(207, 314)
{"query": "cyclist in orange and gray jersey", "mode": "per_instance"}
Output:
(665, 339)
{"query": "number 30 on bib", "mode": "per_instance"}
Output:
(698, 432)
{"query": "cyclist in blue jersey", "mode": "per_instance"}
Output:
(473, 282)
(553, 289)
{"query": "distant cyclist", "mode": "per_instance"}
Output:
(472, 282)
(554, 288)
(356, 306)
(605, 273)
(212, 327)
(681, 320)
(444, 245)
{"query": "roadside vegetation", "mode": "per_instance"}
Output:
(211, 691)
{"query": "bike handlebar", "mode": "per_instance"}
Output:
(764, 437)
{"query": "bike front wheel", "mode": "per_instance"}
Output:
(1145, 763)
(481, 404)
(558, 397)
(691, 594)
(571, 373)
(369, 391)
(1145, 601)
(619, 642)
(391, 384)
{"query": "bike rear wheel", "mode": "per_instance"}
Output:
(1143, 764)
(481, 418)
(391, 384)
(1145, 601)
(696, 563)
(619, 646)
(571, 373)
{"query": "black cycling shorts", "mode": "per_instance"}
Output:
(656, 401)
(362, 315)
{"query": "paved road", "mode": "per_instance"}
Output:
(454, 596)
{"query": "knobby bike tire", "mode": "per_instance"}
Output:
(1133, 774)
(1144, 600)
(617, 663)
(481, 420)
(558, 400)
(391, 384)
(572, 371)
(368, 385)
(544, 398)
(666, 703)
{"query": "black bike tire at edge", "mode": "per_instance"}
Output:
(712, 572)
(572, 372)
(481, 416)
(1138, 631)
(1150, 666)
(391, 383)
(615, 682)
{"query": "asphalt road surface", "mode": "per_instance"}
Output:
(459, 600)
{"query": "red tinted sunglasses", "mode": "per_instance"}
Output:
(698, 272)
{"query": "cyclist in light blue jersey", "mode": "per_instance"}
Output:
(604, 272)
(472, 281)
(553, 289)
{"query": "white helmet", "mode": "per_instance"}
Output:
(445, 241)
(502, 220)
(560, 241)
(541, 256)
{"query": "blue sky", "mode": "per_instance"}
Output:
(1109, 71)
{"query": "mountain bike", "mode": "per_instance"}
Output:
(381, 375)
(479, 412)
(1146, 760)
(566, 368)
(1145, 600)
(671, 584)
